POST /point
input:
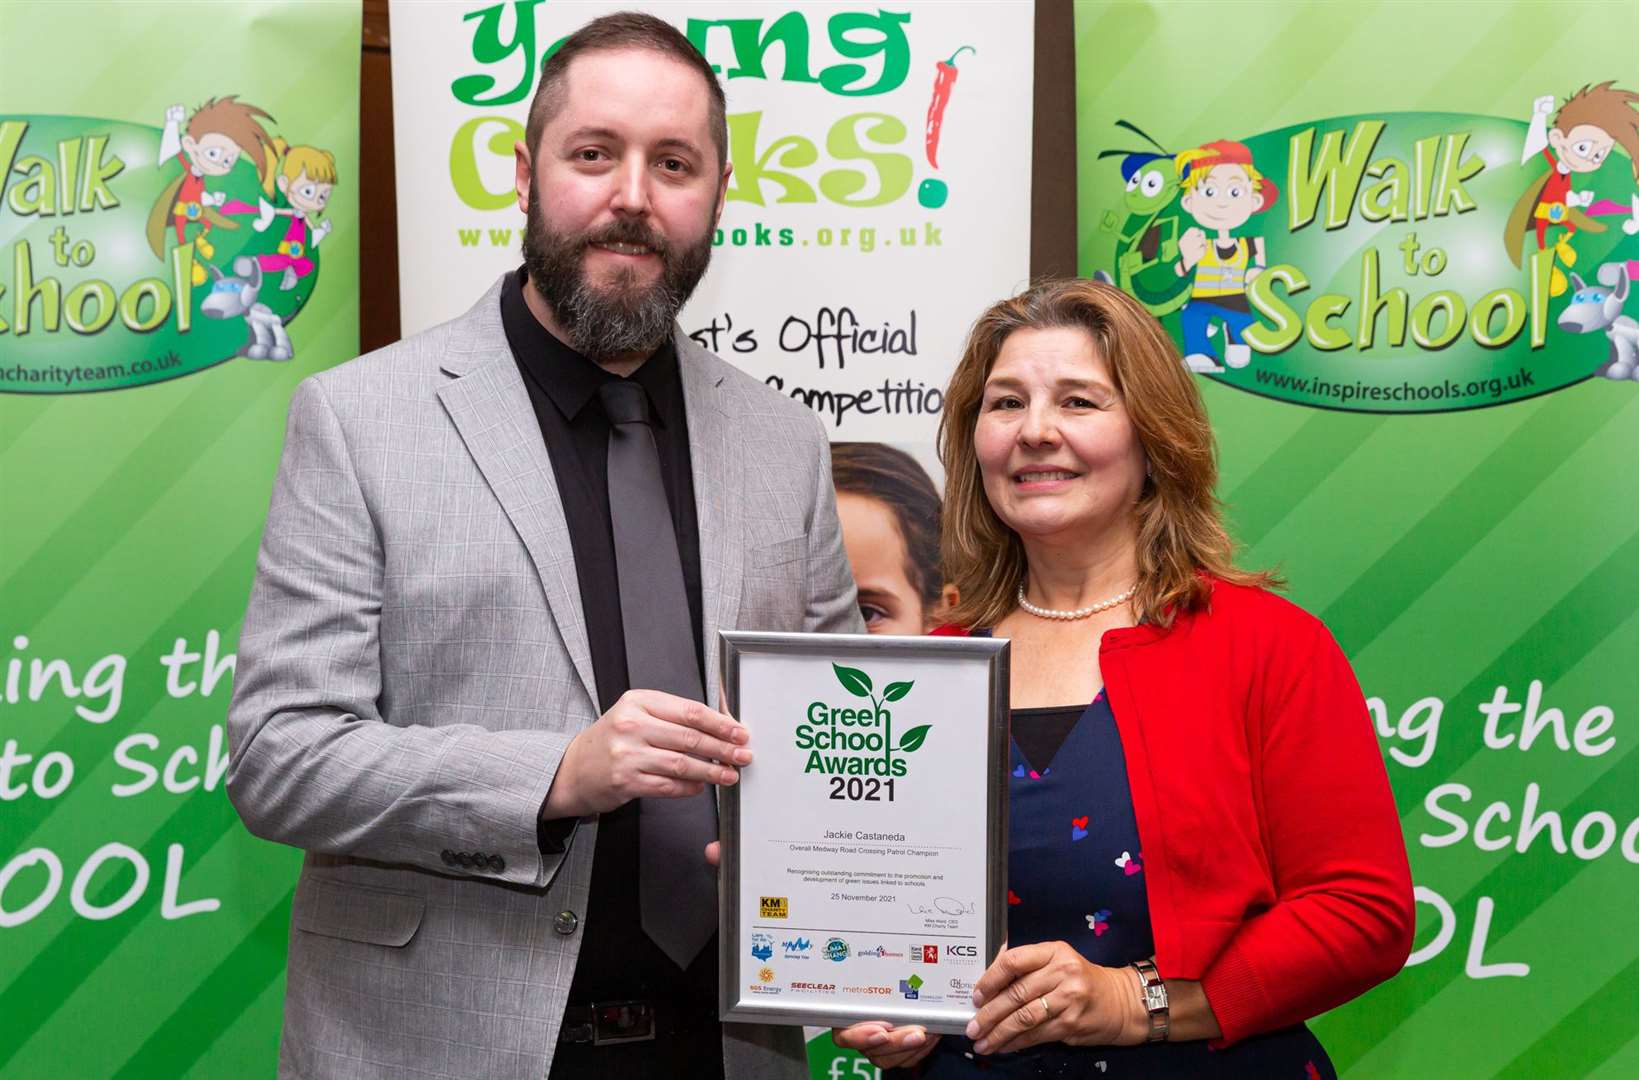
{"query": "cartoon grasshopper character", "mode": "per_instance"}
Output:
(1147, 245)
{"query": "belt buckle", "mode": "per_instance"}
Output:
(615, 1022)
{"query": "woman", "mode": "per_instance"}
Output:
(1197, 797)
(890, 526)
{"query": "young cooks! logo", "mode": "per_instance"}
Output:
(887, 83)
(844, 740)
(1393, 262)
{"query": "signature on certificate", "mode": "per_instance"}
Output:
(942, 905)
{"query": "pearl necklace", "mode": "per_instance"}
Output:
(1078, 613)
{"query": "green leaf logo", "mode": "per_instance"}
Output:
(897, 690)
(913, 738)
(853, 680)
(914, 982)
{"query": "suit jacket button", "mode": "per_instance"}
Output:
(565, 923)
(463, 859)
(448, 856)
(496, 863)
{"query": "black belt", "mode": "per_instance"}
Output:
(611, 1023)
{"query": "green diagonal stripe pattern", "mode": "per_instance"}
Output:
(217, 1001)
(129, 521)
(1490, 547)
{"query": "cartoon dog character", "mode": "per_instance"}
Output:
(1595, 308)
(234, 297)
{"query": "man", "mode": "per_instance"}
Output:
(485, 618)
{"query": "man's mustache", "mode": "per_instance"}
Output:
(629, 232)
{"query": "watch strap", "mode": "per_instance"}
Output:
(1152, 995)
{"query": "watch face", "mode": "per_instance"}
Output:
(1155, 997)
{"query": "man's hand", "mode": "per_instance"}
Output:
(886, 1046)
(175, 114)
(648, 745)
(1543, 105)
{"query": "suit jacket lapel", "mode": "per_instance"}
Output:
(490, 408)
(716, 462)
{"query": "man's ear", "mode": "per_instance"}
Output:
(1556, 139)
(190, 144)
(1187, 200)
(722, 192)
(523, 174)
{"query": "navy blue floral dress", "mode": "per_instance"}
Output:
(1076, 873)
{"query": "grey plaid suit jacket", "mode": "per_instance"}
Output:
(414, 662)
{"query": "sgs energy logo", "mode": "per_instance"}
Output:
(846, 740)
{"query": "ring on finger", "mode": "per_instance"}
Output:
(1046, 1010)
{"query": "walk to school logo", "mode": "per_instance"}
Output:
(1393, 262)
(853, 740)
(144, 253)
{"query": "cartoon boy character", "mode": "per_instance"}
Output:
(1222, 190)
(1588, 125)
(217, 135)
(307, 176)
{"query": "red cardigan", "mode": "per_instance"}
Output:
(1277, 871)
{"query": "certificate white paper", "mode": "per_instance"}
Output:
(864, 860)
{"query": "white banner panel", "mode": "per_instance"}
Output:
(880, 196)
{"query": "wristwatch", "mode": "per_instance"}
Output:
(1153, 996)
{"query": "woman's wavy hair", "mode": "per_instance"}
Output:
(1181, 535)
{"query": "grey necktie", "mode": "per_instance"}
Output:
(677, 891)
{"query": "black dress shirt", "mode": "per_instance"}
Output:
(617, 960)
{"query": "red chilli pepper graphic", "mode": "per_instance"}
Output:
(942, 83)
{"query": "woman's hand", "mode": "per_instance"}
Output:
(886, 1046)
(1049, 993)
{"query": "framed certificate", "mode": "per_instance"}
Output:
(864, 850)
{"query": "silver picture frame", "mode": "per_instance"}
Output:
(748, 990)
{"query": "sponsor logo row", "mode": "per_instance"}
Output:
(763, 947)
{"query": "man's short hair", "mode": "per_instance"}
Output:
(622, 30)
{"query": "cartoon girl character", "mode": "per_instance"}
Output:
(217, 135)
(1222, 190)
(307, 176)
(1588, 125)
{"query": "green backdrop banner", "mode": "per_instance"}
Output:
(1422, 396)
(166, 239)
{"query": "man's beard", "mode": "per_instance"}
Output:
(624, 316)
